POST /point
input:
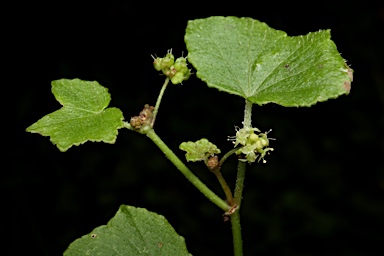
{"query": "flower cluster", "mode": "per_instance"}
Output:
(253, 146)
(177, 70)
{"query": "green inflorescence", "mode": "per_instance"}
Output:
(176, 70)
(253, 146)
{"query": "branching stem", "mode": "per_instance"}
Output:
(221, 179)
(228, 154)
(187, 173)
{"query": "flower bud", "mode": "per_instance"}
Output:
(264, 141)
(181, 64)
(253, 138)
(136, 122)
(187, 74)
(177, 78)
(167, 61)
(212, 162)
(157, 63)
(166, 71)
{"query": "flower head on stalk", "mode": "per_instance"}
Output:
(176, 70)
(253, 146)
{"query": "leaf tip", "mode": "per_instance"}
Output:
(29, 129)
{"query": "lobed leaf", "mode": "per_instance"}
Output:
(199, 150)
(245, 57)
(82, 118)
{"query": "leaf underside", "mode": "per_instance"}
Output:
(132, 231)
(245, 57)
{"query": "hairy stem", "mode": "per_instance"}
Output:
(241, 167)
(187, 173)
(235, 217)
(236, 233)
(156, 109)
(247, 114)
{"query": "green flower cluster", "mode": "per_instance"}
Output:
(254, 146)
(177, 70)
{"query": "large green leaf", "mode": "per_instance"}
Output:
(245, 57)
(132, 231)
(83, 116)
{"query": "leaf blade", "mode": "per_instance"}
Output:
(84, 95)
(83, 116)
(245, 57)
(199, 150)
(132, 231)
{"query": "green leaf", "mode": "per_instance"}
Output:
(245, 57)
(132, 231)
(199, 150)
(83, 116)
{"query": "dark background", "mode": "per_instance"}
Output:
(321, 192)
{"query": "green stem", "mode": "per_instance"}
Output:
(156, 109)
(225, 187)
(228, 154)
(236, 233)
(241, 167)
(235, 217)
(127, 125)
(221, 179)
(187, 173)
(247, 114)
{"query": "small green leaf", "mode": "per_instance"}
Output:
(83, 116)
(199, 150)
(132, 231)
(245, 57)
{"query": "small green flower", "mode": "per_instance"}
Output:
(253, 146)
(187, 74)
(177, 78)
(167, 72)
(168, 60)
(157, 63)
(176, 70)
(181, 64)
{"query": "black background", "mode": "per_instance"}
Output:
(321, 192)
